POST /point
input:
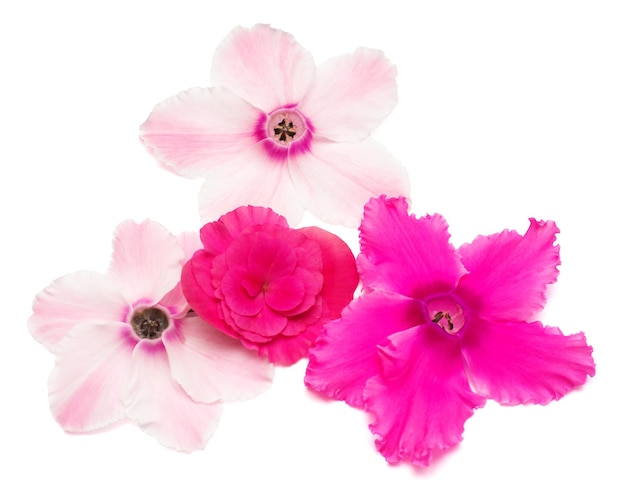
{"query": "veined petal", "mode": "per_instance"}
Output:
(211, 366)
(351, 95)
(91, 369)
(518, 362)
(160, 406)
(72, 299)
(406, 255)
(510, 272)
(190, 242)
(266, 66)
(197, 130)
(252, 179)
(335, 180)
(147, 260)
(345, 355)
(422, 398)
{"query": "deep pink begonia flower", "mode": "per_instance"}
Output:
(127, 349)
(268, 285)
(439, 330)
(277, 131)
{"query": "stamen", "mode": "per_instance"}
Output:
(285, 126)
(149, 323)
(284, 130)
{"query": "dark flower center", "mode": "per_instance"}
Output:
(446, 313)
(286, 125)
(149, 323)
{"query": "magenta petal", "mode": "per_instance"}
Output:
(422, 397)
(199, 130)
(160, 406)
(91, 368)
(510, 272)
(266, 66)
(406, 255)
(72, 299)
(351, 95)
(345, 355)
(518, 362)
(147, 260)
(285, 293)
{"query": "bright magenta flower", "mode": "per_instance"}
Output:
(438, 330)
(127, 349)
(277, 131)
(268, 285)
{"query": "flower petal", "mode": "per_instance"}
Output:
(510, 272)
(267, 67)
(351, 95)
(406, 255)
(422, 398)
(518, 362)
(211, 366)
(147, 260)
(72, 299)
(160, 406)
(335, 180)
(91, 368)
(345, 355)
(199, 129)
(254, 178)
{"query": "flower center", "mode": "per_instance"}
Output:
(286, 125)
(149, 323)
(446, 313)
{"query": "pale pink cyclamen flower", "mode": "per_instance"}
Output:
(277, 131)
(439, 330)
(127, 349)
(270, 286)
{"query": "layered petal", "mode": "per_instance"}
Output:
(266, 66)
(146, 262)
(211, 366)
(406, 255)
(520, 362)
(335, 180)
(160, 406)
(508, 273)
(345, 355)
(91, 370)
(200, 130)
(421, 398)
(73, 299)
(253, 178)
(351, 95)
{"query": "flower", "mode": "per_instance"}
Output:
(438, 330)
(276, 131)
(127, 349)
(268, 285)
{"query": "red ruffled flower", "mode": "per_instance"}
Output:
(271, 286)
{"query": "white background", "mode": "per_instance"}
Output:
(507, 110)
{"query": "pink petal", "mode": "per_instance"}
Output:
(339, 269)
(91, 368)
(351, 95)
(510, 272)
(70, 300)
(518, 362)
(211, 366)
(422, 398)
(406, 255)
(190, 242)
(146, 262)
(254, 178)
(287, 350)
(285, 293)
(160, 406)
(267, 67)
(345, 355)
(199, 130)
(335, 180)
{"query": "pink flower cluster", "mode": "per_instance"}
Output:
(180, 325)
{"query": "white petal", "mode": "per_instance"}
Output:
(211, 366)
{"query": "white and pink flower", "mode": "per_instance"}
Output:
(277, 131)
(127, 347)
